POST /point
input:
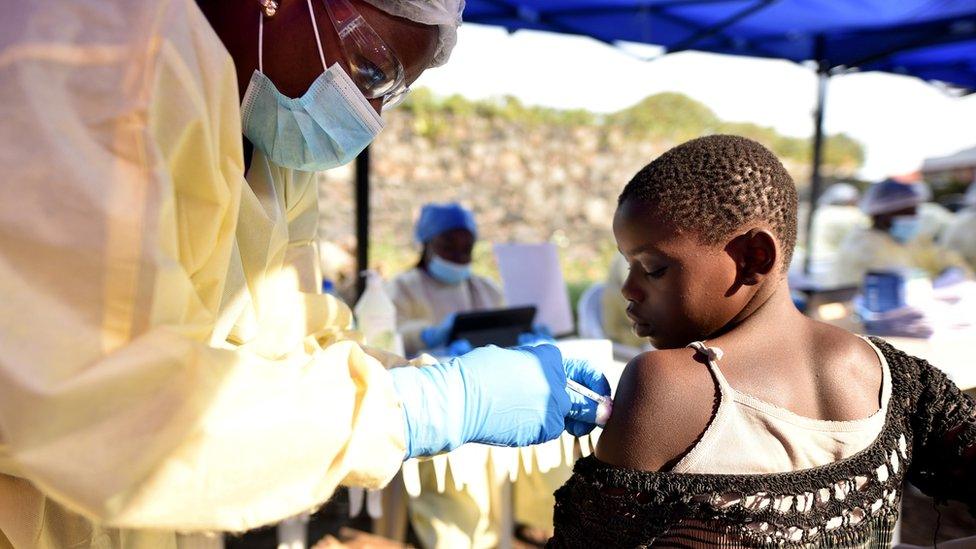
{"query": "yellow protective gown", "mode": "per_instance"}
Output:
(159, 367)
(452, 516)
(960, 236)
(869, 249)
(616, 325)
(422, 301)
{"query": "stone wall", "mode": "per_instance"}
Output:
(526, 182)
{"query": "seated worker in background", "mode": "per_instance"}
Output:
(893, 240)
(752, 425)
(960, 236)
(616, 325)
(837, 215)
(427, 298)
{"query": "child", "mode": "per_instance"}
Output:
(752, 425)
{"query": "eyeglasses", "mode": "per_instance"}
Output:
(376, 70)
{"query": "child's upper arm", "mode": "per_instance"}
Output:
(663, 403)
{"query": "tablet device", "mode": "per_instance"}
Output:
(500, 327)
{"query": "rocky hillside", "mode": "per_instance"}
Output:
(530, 174)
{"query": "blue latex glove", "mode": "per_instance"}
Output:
(436, 336)
(504, 397)
(459, 347)
(540, 334)
(583, 418)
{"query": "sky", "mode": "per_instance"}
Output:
(900, 120)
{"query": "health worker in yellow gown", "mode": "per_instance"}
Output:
(960, 235)
(894, 239)
(166, 361)
(428, 296)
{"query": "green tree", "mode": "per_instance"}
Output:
(842, 152)
(668, 115)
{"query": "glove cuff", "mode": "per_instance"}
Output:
(432, 400)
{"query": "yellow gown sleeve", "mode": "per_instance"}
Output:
(121, 274)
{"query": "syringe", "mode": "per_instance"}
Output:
(604, 404)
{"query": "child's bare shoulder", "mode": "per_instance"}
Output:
(850, 371)
(664, 396)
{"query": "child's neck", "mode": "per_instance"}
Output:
(770, 306)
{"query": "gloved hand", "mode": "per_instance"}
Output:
(504, 397)
(459, 347)
(436, 336)
(583, 418)
(540, 334)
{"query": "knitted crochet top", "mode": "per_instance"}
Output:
(929, 438)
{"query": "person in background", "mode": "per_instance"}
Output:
(893, 241)
(933, 220)
(427, 298)
(616, 325)
(338, 266)
(960, 236)
(836, 216)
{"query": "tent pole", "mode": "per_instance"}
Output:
(362, 219)
(823, 75)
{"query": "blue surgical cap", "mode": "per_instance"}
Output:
(890, 196)
(438, 218)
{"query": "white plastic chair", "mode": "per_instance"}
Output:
(589, 312)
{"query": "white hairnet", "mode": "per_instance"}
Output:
(839, 194)
(890, 196)
(446, 14)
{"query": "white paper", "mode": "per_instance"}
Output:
(531, 276)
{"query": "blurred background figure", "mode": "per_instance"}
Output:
(960, 235)
(894, 240)
(427, 297)
(441, 285)
(837, 215)
(616, 326)
(338, 267)
(933, 220)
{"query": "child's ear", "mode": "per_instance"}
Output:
(755, 255)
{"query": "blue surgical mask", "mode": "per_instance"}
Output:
(326, 127)
(904, 228)
(448, 272)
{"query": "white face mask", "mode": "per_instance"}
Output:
(326, 127)
(448, 272)
(904, 228)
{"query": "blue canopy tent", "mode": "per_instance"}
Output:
(837, 32)
(929, 39)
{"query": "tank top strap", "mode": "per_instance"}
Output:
(720, 420)
(714, 354)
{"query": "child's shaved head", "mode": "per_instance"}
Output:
(714, 185)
